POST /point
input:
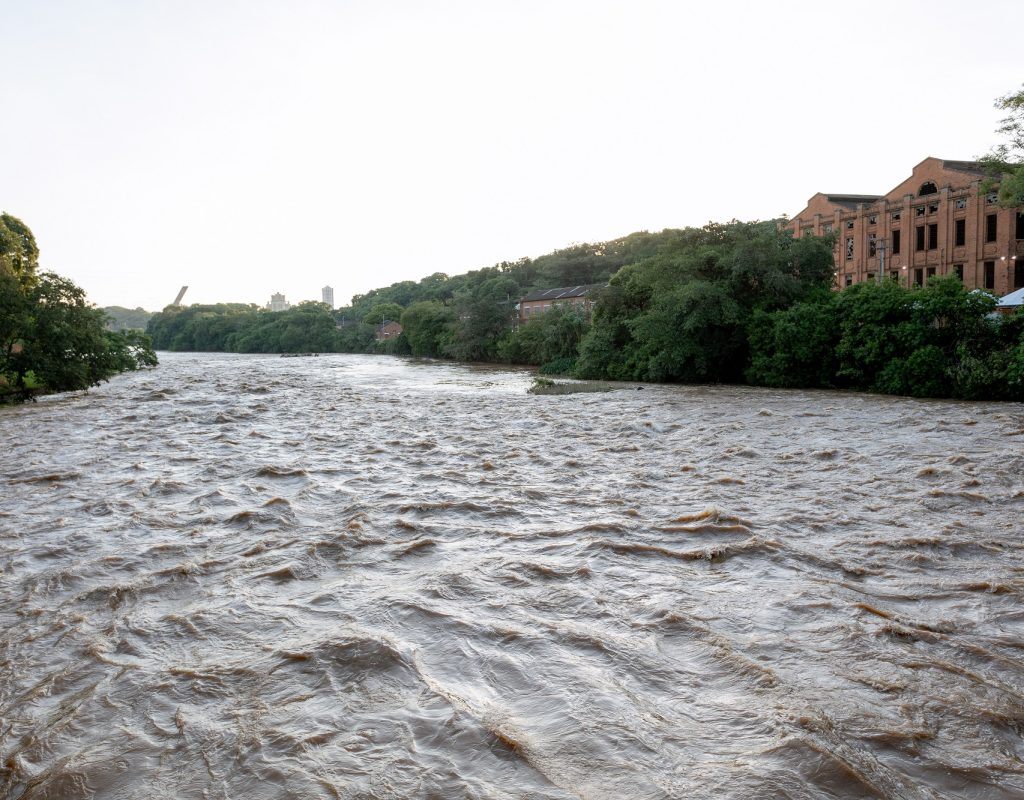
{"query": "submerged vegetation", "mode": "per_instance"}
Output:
(543, 385)
(51, 339)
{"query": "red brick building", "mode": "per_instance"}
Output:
(580, 297)
(937, 222)
(388, 330)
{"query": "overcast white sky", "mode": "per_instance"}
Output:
(245, 148)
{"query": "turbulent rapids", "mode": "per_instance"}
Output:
(358, 577)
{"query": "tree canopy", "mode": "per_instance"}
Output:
(682, 314)
(51, 338)
(19, 254)
(120, 318)
(1006, 159)
(939, 341)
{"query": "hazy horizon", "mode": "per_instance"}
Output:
(245, 149)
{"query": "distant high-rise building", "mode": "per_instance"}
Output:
(278, 303)
(327, 293)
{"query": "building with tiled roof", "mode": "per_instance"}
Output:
(543, 300)
(388, 329)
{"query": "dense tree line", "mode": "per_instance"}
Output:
(939, 341)
(734, 302)
(682, 314)
(245, 328)
(120, 318)
(51, 338)
(468, 317)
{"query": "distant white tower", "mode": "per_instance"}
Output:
(327, 293)
(278, 303)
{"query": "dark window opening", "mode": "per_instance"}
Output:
(961, 232)
(919, 244)
(991, 197)
(930, 273)
(895, 243)
(849, 225)
(990, 228)
(927, 188)
(933, 236)
(919, 211)
(990, 274)
(896, 215)
(872, 245)
(958, 270)
(918, 277)
(894, 274)
(1020, 225)
(961, 202)
(849, 248)
(872, 219)
(849, 279)
(871, 276)
(1018, 275)
(933, 209)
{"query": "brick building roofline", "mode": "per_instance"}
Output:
(852, 199)
(562, 293)
(960, 166)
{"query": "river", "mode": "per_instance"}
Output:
(368, 577)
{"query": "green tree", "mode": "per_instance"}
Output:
(939, 341)
(484, 315)
(547, 339)
(61, 339)
(120, 318)
(794, 347)
(355, 338)
(130, 350)
(434, 287)
(427, 327)
(15, 320)
(682, 313)
(692, 334)
(1005, 159)
(382, 311)
(19, 254)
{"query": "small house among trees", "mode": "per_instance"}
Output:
(388, 330)
(543, 300)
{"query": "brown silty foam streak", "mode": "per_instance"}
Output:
(358, 577)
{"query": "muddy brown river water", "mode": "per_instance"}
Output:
(357, 577)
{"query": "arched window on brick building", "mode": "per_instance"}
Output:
(928, 187)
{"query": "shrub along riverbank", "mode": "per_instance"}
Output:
(939, 341)
(734, 302)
